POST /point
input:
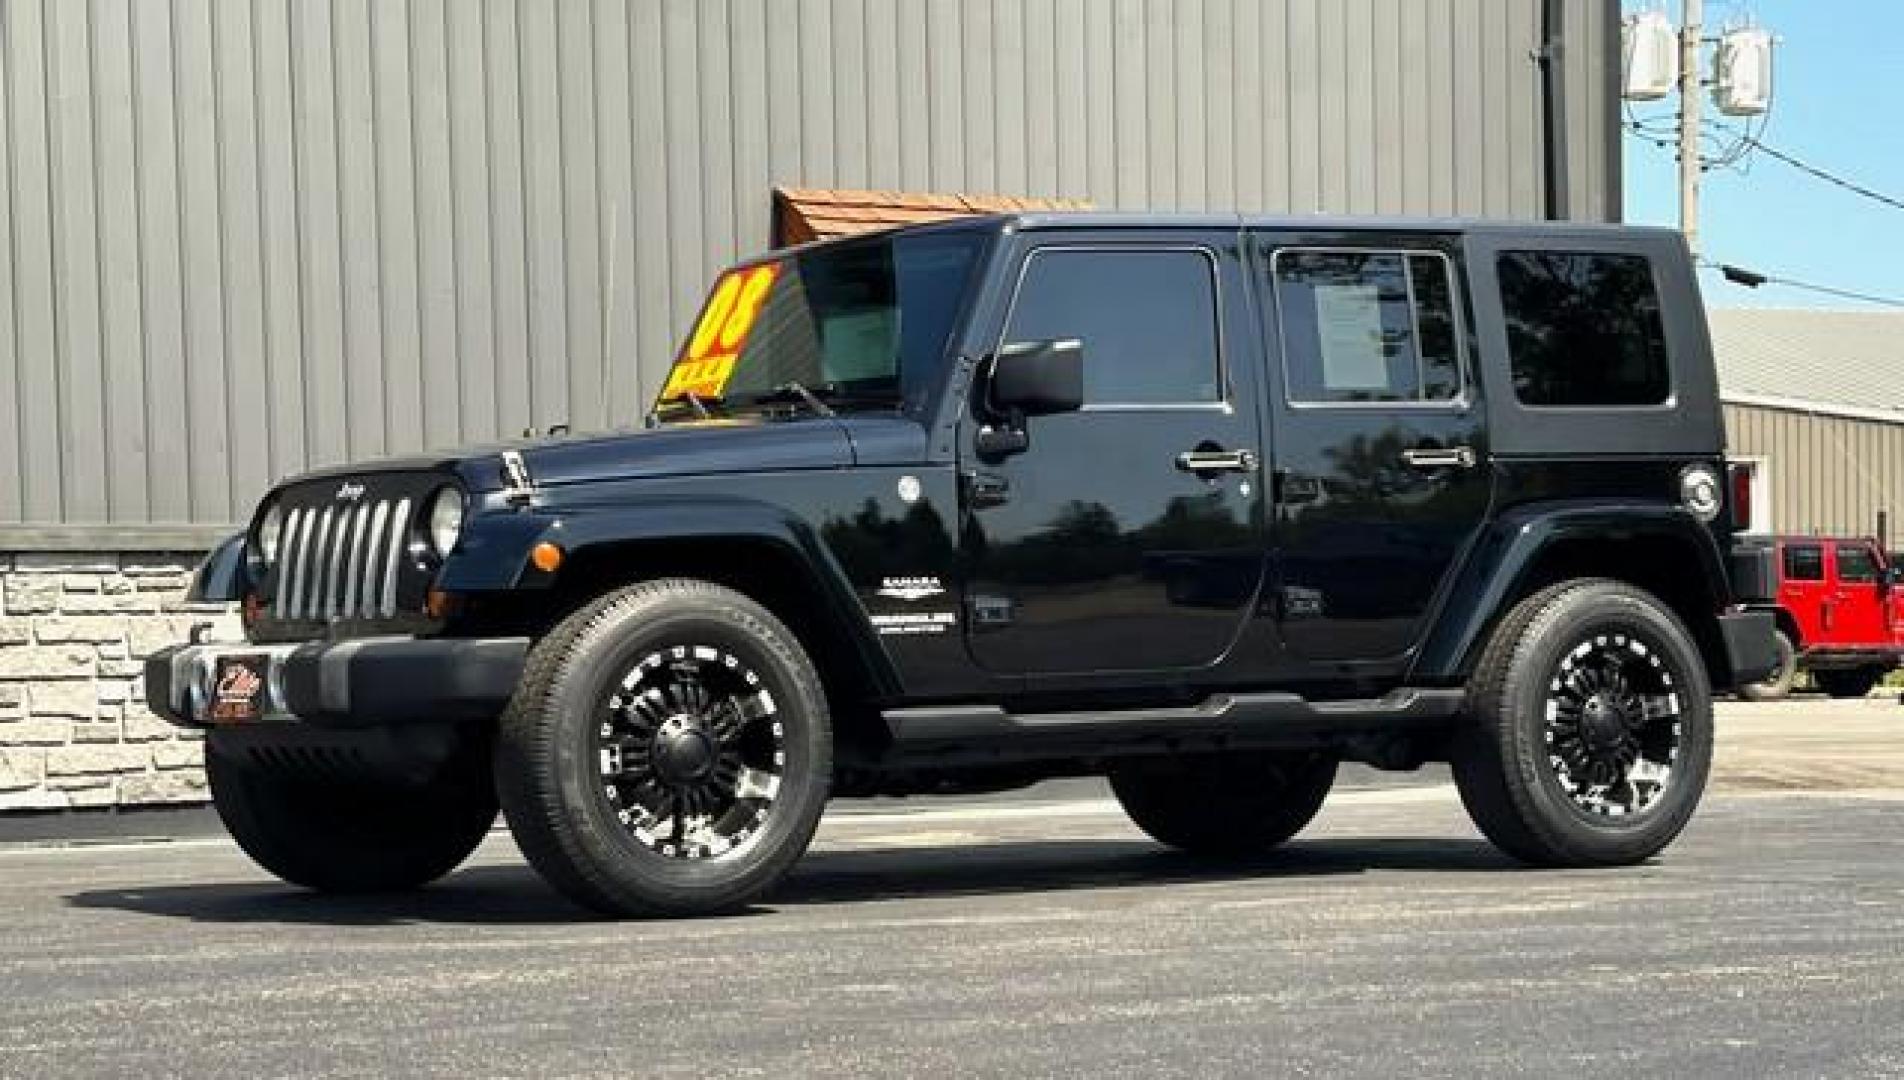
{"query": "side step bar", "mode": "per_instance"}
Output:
(987, 733)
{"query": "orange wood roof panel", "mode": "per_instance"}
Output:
(803, 214)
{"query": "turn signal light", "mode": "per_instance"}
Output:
(545, 557)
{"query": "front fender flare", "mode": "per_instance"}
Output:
(221, 578)
(1502, 559)
(494, 555)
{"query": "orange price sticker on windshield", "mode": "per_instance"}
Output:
(713, 350)
(705, 378)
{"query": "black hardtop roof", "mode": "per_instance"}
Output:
(1101, 219)
(1058, 220)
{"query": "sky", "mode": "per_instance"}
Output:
(1838, 83)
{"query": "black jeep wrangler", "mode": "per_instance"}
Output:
(1206, 504)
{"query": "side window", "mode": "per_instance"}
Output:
(1147, 319)
(1856, 563)
(1804, 562)
(1367, 326)
(1583, 329)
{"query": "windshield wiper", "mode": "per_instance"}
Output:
(697, 402)
(792, 390)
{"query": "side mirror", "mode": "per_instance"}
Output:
(1035, 378)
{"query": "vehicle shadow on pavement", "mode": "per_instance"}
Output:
(484, 895)
(1065, 865)
(513, 894)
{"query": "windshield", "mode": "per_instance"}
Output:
(857, 326)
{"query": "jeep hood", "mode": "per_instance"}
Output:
(707, 448)
(711, 447)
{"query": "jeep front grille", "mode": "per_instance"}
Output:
(342, 561)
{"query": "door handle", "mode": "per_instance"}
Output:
(987, 489)
(1216, 461)
(1452, 457)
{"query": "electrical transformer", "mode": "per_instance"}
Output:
(1742, 72)
(1650, 48)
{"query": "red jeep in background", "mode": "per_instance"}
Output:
(1840, 610)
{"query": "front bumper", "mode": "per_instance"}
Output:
(1750, 645)
(374, 682)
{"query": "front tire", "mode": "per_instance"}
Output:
(668, 751)
(361, 837)
(1590, 738)
(1229, 805)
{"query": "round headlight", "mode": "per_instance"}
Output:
(446, 519)
(1699, 490)
(270, 529)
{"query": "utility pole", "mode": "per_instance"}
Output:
(1691, 29)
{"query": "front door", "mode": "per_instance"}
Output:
(1126, 536)
(1861, 598)
(1382, 467)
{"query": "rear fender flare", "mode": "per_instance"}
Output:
(1502, 561)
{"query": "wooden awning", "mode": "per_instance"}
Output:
(803, 214)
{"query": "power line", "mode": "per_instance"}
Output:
(1752, 279)
(1843, 294)
(1827, 176)
(1749, 141)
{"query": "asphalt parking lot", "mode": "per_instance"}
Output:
(1032, 935)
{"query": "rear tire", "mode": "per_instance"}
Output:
(353, 838)
(1778, 685)
(668, 751)
(1847, 682)
(1590, 738)
(1229, 805)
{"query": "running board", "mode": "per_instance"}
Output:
(975, 733)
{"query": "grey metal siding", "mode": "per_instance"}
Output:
(1829, 474)
(241, 239)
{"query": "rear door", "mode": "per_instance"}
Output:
(1804, 591)
(1895, 592)
(1380, 445)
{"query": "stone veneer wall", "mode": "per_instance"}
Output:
(74, 730)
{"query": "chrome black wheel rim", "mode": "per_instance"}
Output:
(1613, 725)
(692, 751)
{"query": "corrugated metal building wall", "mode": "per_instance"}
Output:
(245, 238)
(1829, 473)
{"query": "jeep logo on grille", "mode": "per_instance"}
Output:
(350, 490)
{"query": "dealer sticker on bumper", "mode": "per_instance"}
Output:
(237, 695)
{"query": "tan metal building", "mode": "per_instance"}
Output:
(1814, 402)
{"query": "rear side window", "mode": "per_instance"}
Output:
(1804, 562)
(1147, 319)
(1856, 563)
(1584, 329)
(1367, 326)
